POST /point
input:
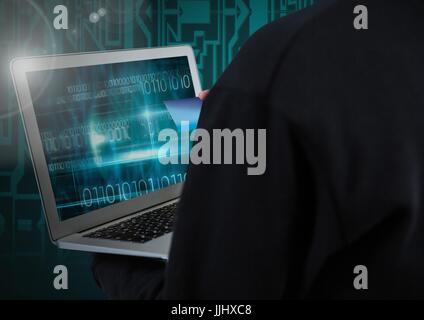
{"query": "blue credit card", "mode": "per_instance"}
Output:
(185, 110)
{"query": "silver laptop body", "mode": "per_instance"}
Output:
(70, 216)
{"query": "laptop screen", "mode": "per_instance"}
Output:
(99, 128)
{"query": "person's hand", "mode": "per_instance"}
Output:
(203, 95)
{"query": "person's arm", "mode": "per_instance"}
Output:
(239, 236)
(123, 277)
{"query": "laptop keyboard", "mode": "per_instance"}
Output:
(142, 228)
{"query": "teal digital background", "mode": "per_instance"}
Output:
(215, 28)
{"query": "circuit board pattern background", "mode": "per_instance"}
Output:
(215, 28)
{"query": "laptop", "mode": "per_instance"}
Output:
(92, 122)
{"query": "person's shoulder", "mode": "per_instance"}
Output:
(259, 57)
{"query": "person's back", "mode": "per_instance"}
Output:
(343, 109)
